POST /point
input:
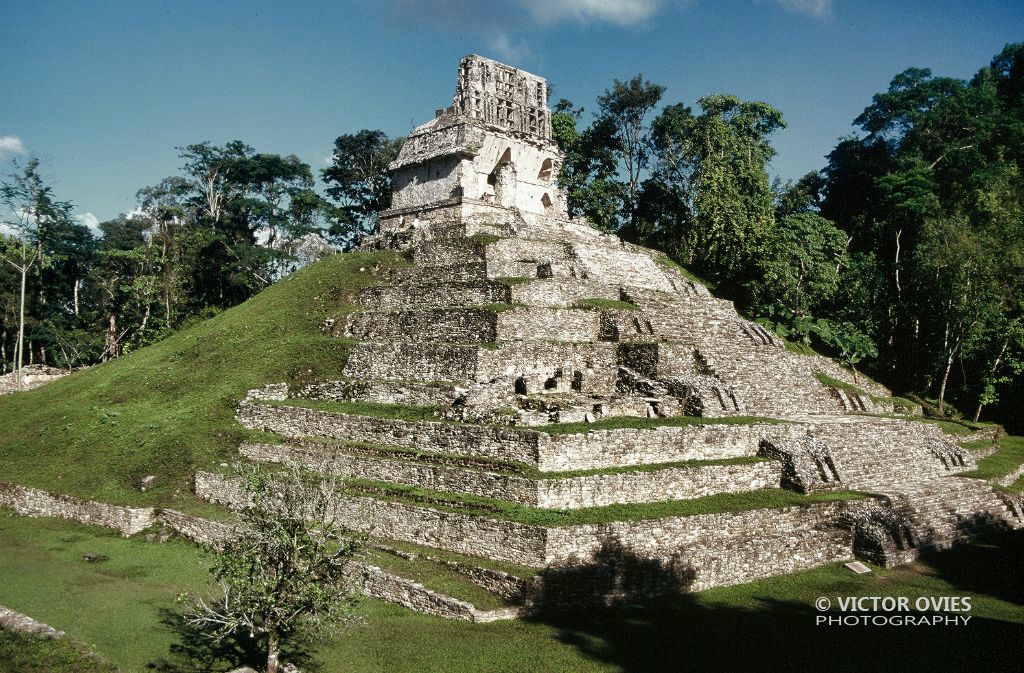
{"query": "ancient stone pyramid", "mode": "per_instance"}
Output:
(538, 338)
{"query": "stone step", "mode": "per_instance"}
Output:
(442, 294)
(382, 392)
(475, 325)
(473, 272)
(593, 450)
(569, 492)
(422, 362)
(526, 258)
(561, 292)
(448, 253)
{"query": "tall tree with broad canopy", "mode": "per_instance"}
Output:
(715, 162)
(589, 172)
(622, 119)
(359, 182)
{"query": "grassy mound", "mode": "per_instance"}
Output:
(168, 409)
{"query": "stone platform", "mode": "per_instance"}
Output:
(527, 367)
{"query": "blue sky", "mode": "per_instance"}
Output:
(103, 91)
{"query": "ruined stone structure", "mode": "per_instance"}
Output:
(515, 319)
(32, 376)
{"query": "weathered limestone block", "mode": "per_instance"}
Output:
(561, 292)
(599, 449)
(382, 392)
(450, 252)
(455, 325)
(807, 464)
(554, 324)
(11, 620)
(404, 361)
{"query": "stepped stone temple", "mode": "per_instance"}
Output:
(570, 371)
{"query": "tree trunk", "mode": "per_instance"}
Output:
(273, 652)
(112, 338)
(945, 379)
(20, 350)
(145, 321)
(991, 373)
(78, 284)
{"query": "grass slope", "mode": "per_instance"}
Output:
(167, 409)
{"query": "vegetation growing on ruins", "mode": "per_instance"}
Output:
(1008, 457)
(601, 302)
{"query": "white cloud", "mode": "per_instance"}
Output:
(89, 220)
(818, 8)
(508, 51)
(618, 12)
(10, 145)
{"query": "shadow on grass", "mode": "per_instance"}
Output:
(195, 651)
(992, 565)
(680, 633)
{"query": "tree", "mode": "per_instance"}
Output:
(589, 170)
(802, 196)
(32, 212)
(716, 163)
(799, 265)
(284, 573)
(239, 204)
(623, 112)
(360, 182)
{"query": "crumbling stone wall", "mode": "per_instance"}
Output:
(39, 503)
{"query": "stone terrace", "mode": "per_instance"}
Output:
(527, 366)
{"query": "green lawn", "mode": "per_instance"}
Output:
(1007, 458)
(168, 409)
(20, 653)
(117, 609)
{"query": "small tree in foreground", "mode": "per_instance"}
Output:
(285, 571)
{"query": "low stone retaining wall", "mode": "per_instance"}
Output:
(38, 503)
(208, 533)
(377, 583)
(15, 621)
(1007, 480)
(735, 539)
(677, 483)
(493, 442)
(598, 449)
